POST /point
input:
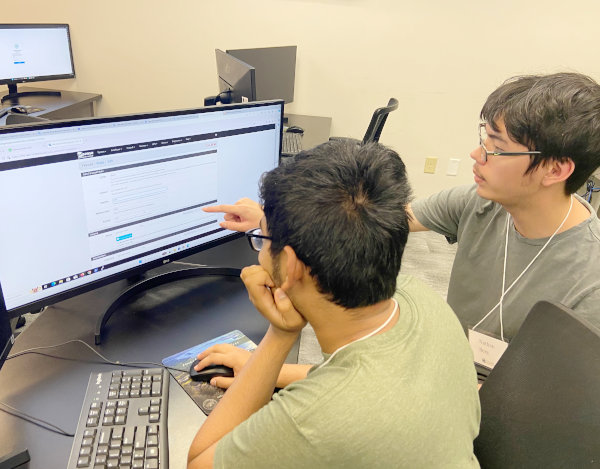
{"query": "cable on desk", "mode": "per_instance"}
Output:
(47, 425)
(34, 420)
(108, 361)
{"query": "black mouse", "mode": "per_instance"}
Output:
(208, 373)
(295, 129)
(20, 109)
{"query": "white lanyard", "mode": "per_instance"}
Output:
(372, 333)
(504, 292)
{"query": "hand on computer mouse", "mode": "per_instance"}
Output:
(224, 354)
(207, 373)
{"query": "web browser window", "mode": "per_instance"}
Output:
(79, 202)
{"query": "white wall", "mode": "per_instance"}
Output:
(439, 58)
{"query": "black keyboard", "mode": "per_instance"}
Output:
(291, 143)
(123, 421)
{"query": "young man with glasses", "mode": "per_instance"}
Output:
(523, 235)
(397, 386)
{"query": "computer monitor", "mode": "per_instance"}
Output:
(275, 70)
(6, 337)
(87, 202)
(34, 52)
(237, 83)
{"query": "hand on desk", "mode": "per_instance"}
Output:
(244, 215)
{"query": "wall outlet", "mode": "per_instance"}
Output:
(430, 165)
(453, 166)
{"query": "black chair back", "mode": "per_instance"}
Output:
(378, 121)
(540, 405)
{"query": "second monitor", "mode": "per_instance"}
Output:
(255, 74)
(275, 70)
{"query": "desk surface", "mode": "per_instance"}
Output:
(162, 321)
(70, 104)
(316, 129)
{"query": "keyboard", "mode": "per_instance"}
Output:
(291, 144)
(123, 421)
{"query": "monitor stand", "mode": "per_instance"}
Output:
(13, 94)
(155, 281)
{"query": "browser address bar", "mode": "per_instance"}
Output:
(62, 143)
(13, 142)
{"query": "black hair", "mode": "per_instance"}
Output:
(342, 208)
(558, 115)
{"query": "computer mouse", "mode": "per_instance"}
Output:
(208, 373)
(295, 129)
(21, 109)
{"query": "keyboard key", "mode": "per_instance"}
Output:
(151, 452)
(85, 451)
(140, 439)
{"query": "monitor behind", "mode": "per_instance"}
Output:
(540, 405)
(236, 77)
(275, 70)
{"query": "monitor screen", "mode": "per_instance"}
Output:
(35, 52)
(86, 202)
(275, 70)
(236, 77)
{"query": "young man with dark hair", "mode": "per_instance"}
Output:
(397, 386)
(522, 233)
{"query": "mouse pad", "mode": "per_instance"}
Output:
(203, 394)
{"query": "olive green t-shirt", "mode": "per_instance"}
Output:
(406, 398)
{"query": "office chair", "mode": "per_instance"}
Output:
(14, 118)
(540, 405)
(376, 125)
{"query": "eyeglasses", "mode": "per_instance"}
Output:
(485, 153)
(256, 239)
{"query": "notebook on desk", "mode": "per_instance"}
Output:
(203, 394)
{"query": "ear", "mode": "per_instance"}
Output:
(292, 268)
(558, 171)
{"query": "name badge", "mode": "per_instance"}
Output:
(487, 350)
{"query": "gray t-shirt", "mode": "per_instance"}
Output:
(405, 398)
(567, 271)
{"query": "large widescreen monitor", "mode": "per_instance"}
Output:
(275, 70)
(34, 52)
(90, 201)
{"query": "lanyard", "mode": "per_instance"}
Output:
(372, 333)
(504, 292)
